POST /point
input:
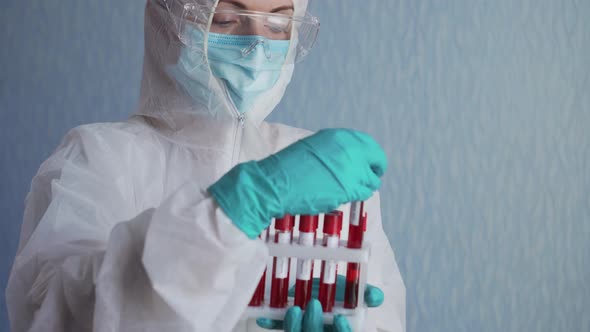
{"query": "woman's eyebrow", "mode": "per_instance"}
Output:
(243, 6)
(280, 9)
(235, 3)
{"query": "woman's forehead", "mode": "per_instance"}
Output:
(258, 5)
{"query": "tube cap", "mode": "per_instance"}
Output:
(285, 223)
(308, 224)
(333, 223)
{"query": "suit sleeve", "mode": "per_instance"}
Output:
(90, 259)
(384, 273)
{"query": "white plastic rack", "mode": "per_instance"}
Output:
(319, 253)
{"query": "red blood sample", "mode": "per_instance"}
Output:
(358, 220)
(307, 235)
(332, 226)
(280, 275)
(258, 296)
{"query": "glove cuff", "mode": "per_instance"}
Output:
(247, 198)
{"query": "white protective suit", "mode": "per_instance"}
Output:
(120, 234)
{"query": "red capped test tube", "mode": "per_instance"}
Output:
(279, 291)
(307, 235)
(317, 225)
(332, 226)
(357, 226)
(258, 296)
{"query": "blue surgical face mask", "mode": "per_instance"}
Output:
(247, 65)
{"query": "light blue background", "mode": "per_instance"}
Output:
(483, 108)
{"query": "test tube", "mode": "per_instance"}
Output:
(340, 223)
(316, 226)
(280, 276)
(258, 296)
(332, 225)
(357, 224)
(307, 235)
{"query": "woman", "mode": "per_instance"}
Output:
(151, 224)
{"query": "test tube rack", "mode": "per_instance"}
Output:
(318, 252)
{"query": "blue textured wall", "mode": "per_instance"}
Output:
(482, 106)
(62, 63)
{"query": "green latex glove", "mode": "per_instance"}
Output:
(313, 175)
(310, 321)
(292, 323)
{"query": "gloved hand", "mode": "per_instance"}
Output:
(313, 317)
(310, 321)
(313, 175)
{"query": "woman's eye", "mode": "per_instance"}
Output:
(278, 25)
(277, 28)
(225, 20)
(223, 23)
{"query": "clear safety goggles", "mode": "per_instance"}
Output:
(302, 30)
